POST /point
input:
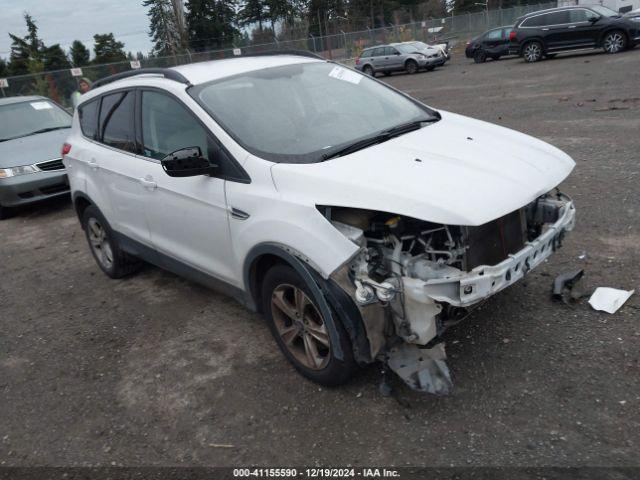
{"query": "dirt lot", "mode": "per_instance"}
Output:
(154, 370)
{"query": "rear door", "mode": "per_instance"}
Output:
(188, 216)
(493, 42)
(558, 33)
(116, 167)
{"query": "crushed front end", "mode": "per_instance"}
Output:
(412, 279)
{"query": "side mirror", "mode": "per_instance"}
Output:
(187, 162)
(594, 19)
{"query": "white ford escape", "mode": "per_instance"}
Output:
(359, 221)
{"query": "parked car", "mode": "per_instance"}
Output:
(492, 44)
(359, 221)
(548, 32)
(633, 15)
(397, 57)
(32, 130)
(442, 48)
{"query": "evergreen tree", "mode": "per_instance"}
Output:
(4, 71)
(253, 11)
(210, 23)
(164, 27)
(26, 52)
(54, 58)
(107, 49)
(79, 54)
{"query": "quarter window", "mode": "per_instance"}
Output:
(116, 121)
(494, 35)
(88, 114)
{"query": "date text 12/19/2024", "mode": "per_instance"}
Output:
(315, 473)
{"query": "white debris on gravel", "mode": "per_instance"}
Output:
(609, 299)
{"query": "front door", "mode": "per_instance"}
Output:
(188, 216)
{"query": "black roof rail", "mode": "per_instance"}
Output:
(166, 72)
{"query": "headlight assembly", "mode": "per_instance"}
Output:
(16, 171)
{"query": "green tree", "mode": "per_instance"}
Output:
(26, 52)
(54, 58)
(79, 54)
(107, 49)
(211, 23)
(253, 11)
(4, 71)
(164, 26)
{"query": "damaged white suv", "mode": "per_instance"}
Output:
(359, 221)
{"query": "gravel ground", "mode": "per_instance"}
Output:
(154, 370)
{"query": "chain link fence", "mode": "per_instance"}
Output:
(343, 47)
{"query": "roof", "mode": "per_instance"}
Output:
(203, 72)
(556, 9)
(27, 98)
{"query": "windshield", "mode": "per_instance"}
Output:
(419, 45)
(25, 118)
(296, 113)
(604, 11)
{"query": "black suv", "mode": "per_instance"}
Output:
(547, 32)
(493, 43)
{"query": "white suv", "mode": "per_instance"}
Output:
(359, 221)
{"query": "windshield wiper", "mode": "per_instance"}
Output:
(44, 130)
(379, 137)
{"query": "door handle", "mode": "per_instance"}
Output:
(93, 164)
(148, 183)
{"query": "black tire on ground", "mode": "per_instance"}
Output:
(614, 42)
(480, 56)
(104, 246)
(411, 66)
(368, 70)
(5, 212)
(532, 51)
(299, 329)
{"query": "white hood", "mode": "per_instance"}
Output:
(470, 172)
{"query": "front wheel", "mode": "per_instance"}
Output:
(300, 330)
(411, 67)
(104, 247)
(480, 56)
(614, 42)
(532, 52)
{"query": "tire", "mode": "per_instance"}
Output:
(105, 250)
(614, 42)
(532, 52)
(480, 56)
(368, 70)
(411, 67)
(304, 338)
(5, 213)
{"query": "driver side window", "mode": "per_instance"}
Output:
(167, 126)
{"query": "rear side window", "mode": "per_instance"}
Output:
(117, 121)
(378, 52)
(558, 18)
(366, 54)
(536, 21)
(88, 114)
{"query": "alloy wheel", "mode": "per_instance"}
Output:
(99, 242)
(300, 326)
(613, 42)
(532, 52)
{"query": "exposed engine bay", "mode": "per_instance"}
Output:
(426, 277)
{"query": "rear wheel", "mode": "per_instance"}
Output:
(104, 247)
(368, 69)
(411, 66)
(480, 56)
(300, 330)
(614, 42)
(532, 52)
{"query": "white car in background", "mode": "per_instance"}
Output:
(360, 222)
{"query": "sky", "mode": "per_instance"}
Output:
(63, 21)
